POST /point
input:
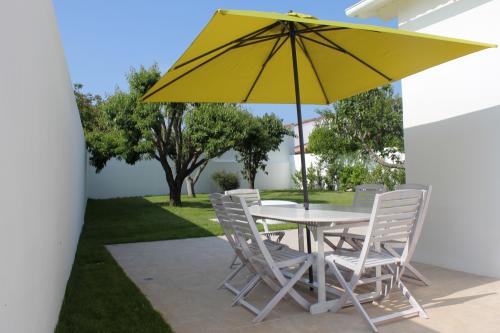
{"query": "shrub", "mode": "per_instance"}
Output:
(297, 180)
(352, 175)
(226, 180)
(387, 176)
(314, 178)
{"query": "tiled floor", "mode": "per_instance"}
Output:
(179, 277)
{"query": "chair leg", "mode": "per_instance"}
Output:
(348, 293)
(266, 227)
(233, 262)
(418, 275)
(246, 289)
(330, 244)
(342, 239)
(412, 300)
(287, 288)
(231, 276)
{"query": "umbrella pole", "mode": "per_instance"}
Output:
(301, 140)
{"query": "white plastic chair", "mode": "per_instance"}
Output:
(394, 218)
(252, 198)
(269, 265)
(364, 196)
(224, 221)
(395, 247)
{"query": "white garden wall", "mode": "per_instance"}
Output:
(42, 183)
(451, 119)
(118, 179)
(452, 136)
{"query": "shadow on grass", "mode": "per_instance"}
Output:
(189, 204)
(99, 296)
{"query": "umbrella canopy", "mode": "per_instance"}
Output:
(255, 57)
(245, 57)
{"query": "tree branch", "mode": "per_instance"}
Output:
(377, 158)
(199, 171)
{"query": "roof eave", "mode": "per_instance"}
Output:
(383, 9)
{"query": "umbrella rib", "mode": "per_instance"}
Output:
(240, 44)
(350, 54)
(270, 37)
(322, 44)
(302, 46)
(237, 40)
(271, 54)
(319, 28)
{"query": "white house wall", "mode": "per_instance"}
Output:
(42, 183)
(452, 137)
(119, 179)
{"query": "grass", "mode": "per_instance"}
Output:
(99, 296)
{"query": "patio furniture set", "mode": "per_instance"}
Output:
(357, 268)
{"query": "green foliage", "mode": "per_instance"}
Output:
(388, 177)
(226, 180)
(183, 137)
(314, 175)
(348, 171)
(370, 123)
(297, 180)
(260, 135)
(352, 175)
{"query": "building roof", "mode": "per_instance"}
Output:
(304, 121)
(384, 9)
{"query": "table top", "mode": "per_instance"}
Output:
(314, 216)
(277, 203)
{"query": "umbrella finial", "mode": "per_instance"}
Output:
(301, 15)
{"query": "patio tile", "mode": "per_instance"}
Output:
(179, 277)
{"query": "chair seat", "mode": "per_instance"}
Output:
(350, 259)
(284, 256)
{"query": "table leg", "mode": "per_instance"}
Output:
(301, 237)
(322, 305)
(320, 269)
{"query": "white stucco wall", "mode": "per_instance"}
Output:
(42, 183)
(451, 120)
(307, 128)
(119, 179)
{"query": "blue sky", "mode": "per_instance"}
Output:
(104, 38)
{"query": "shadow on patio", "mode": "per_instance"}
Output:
(179, 277)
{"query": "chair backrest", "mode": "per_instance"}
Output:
(224, 221)
(246, 231)
(365, 195)
(422, 213)
(251, 196)
(394, 217)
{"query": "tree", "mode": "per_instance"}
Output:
(370, 123)
(259, 137)
(183, 137)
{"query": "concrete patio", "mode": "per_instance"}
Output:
(179, 277)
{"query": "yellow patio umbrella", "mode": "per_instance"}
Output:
(256, 57)
(259, 57)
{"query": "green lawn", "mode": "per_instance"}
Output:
(99, 296)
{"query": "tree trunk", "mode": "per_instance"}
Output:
(190, 187)
(251, 180)
(175, 195)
